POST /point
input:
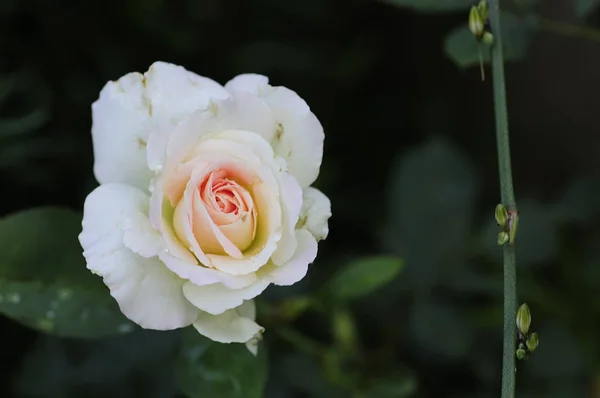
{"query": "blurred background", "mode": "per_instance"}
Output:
(405, 298)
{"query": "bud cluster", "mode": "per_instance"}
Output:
(526, 342)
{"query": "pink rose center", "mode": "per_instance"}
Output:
(230, 207)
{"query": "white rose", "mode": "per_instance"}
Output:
(205, 198)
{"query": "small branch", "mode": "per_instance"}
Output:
(569, 30)
(508, 200)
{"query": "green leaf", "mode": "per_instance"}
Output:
(363, 276)
(67, 368)
(583, 8)
(44, 282)
(463, 49)
(432, 201)
(431, 6)
(206, 369)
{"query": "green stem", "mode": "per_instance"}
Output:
(508, 200)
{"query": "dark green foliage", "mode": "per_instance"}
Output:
(409, 166)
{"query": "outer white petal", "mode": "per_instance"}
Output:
(140, 236)
(228, 327)
(146, 291)
(217, 298)
(129, 110)
(248, 310)
(297, 267)
(121, 123)
(316, 211)
(250, 82)
(241, 111)
(299, 138)
(291, 203)
(175, 94)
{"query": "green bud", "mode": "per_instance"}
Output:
(521, 354)
(523, 319)
(501, 215)
(488, 38)
(502, 238)
(513, 223)
(482, 7)
(532, 341)
(475, 22)
(344, 329)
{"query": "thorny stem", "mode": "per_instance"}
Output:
(508, 200)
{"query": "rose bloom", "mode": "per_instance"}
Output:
(204, 198)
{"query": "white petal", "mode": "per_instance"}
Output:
(175, 94)
(228, 327)
(121, 123)
(241, 111)
(146, 291)
(299, 139)
(132, 108)
(140, 236)
(200, 275)
(316, 211)
(291, 202)
(250, 82)
(248, 310)
(297, 267)
(217, 298)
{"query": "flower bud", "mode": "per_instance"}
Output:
(488, 38)
(523, 319)
(483, 9)
(502, 238)
(513, 223)
(532, 342)
(501, 215)
(475, 22)
(521, 353)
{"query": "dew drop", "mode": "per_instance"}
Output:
(14, 298)
(125, 328)
(64, 294)
(45, 324)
